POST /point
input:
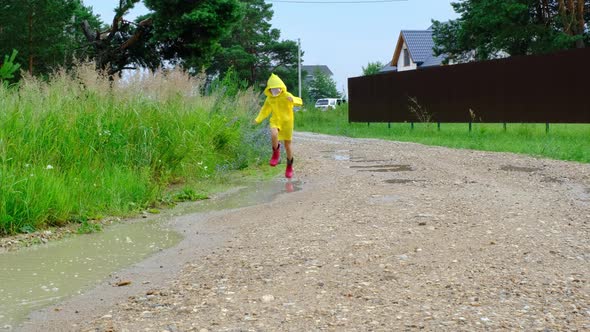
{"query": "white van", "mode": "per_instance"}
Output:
(326, 103)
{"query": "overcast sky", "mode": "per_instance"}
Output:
(345, 37)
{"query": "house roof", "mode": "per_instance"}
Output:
(433, 60)
(388, 67)
(420, 45)
(312, 69)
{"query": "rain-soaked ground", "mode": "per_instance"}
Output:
(37, 277)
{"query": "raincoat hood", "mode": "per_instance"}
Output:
(274, 82)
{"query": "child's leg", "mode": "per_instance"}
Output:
(276, 152)
(274, 135)
(289, 169)
(288, 149)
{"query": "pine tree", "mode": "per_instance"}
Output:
(254, 50)
(43, 31)
(189, 31)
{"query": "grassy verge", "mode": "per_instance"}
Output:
(79, 147)
(563, 141)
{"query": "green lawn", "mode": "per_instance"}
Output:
(562, 141)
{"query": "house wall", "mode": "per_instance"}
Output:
(400, 61)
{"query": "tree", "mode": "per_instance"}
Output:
(43, 31)
(253, 48)
(322, 86)
(8, 67)
(188, 31)
(490, 28)
(572, 17)
(372, 68)
(185, 32)
(123, 44)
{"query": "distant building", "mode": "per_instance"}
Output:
(309, 72)
(414, 51)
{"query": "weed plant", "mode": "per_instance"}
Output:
(563, 141)
(79, 146)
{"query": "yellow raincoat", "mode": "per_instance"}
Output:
(280, 108)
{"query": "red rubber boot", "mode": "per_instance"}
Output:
(276, 156)
(289, 169)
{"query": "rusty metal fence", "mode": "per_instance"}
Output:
(551, 88)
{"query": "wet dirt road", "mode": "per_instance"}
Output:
(384, 236)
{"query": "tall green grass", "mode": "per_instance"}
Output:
(562, 141)
(78, 145)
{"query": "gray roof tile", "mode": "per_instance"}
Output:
(433, 61)
(420, 45)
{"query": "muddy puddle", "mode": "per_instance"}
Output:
(580, 192)
(402, 181)
(384, 199)
(360, 160)
(550, 179)
(349, 155)
(512, 168)
(339, 155)
(405, 167)
(33, 278)
(384, 168)
(246, 195)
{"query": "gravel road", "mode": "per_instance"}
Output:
(384, 236)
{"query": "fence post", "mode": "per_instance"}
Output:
(368, 124)
(389, 125)
(504, 126)
(412, 125)
(547, 128)
(438, 125)
(469, 126)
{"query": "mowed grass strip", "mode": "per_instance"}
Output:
(563, 141)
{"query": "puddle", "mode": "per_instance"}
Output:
(402, 181)
(581, 193)
(384, 199)
(369, 160)
(551, 179)
(246, 195)
(380, 166)
(33, 278)
(338, 155)
(511, 168)
(387, 168)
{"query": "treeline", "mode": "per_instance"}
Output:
(210, 35)
(488, 29)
